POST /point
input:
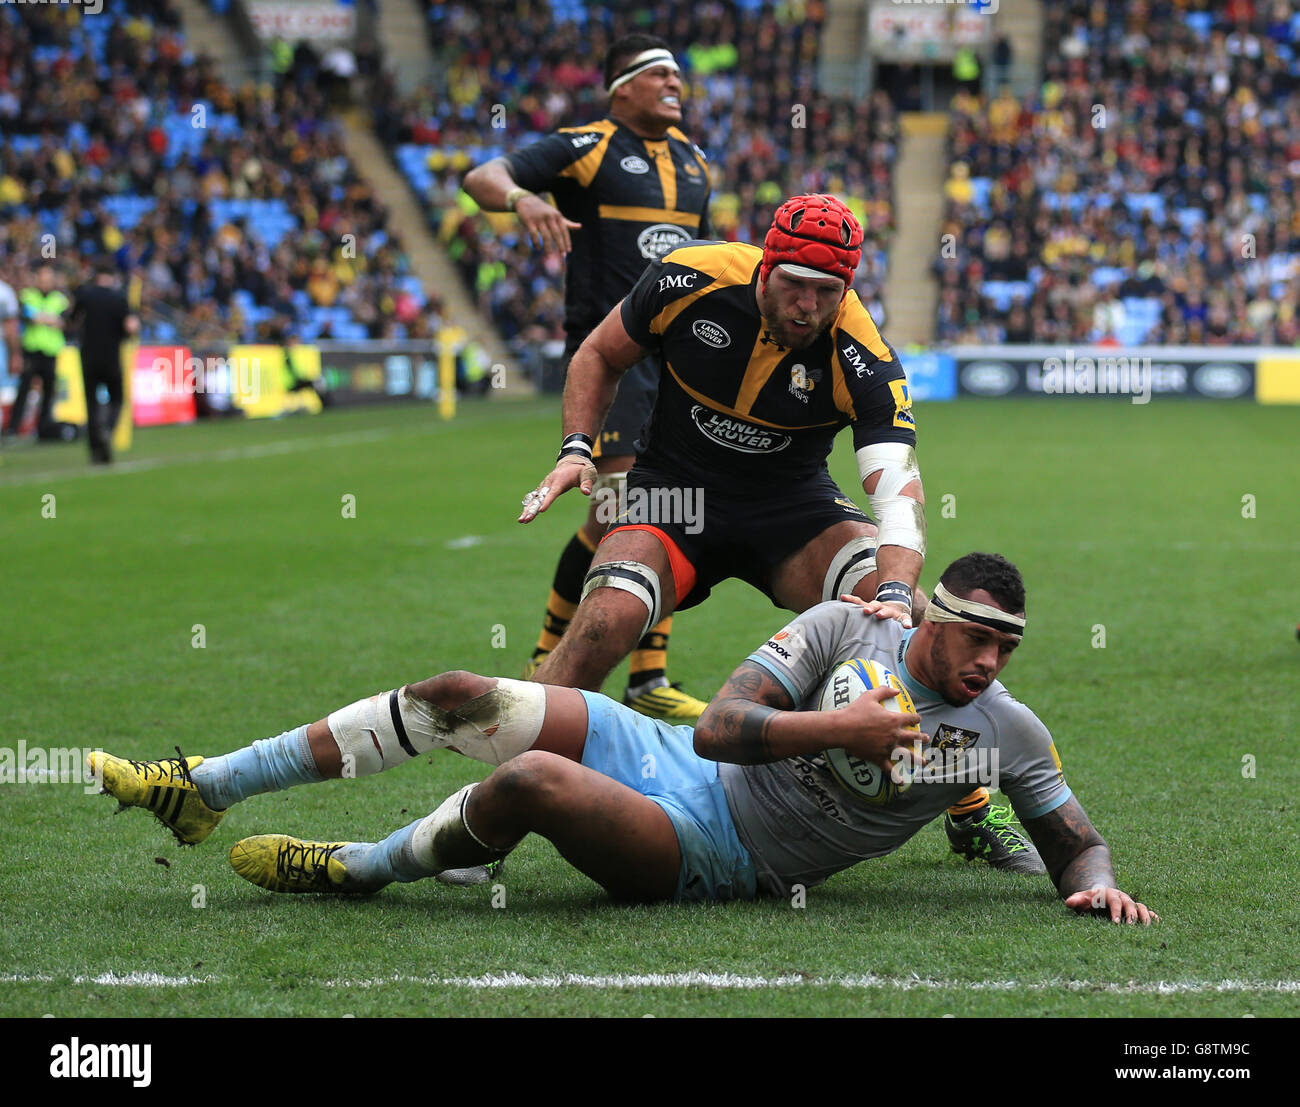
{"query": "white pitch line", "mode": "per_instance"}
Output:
(233, 453)
(112, 979)
(705, 980)
(743, 983)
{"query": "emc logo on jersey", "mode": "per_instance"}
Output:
(676, 280)
(854, 360)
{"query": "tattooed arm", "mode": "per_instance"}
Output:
(752, 721)
(1078, 860)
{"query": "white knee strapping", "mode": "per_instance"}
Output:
(367, 736)
(500, 724)
(855, 560)
(631, 576)
(388, 729)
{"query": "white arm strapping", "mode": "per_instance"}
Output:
(900, 518)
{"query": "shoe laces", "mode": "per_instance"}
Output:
(166, 771)
(297, 859)
(998, 820)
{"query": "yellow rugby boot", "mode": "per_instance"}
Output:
(280, 863)
(669, 703)
(163, 787)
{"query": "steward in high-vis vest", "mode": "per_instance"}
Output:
(41, 310)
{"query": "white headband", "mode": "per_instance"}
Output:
(944, 607)
(806, 271)
(643, 61)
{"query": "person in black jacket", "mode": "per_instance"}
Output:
(102, 320)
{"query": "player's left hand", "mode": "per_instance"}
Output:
(881, 610)
(568, 473)
(1113, 904)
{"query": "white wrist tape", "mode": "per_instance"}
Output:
(386, 730)
(900, 518)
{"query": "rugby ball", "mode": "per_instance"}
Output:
(865, 780)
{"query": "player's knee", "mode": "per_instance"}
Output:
(449, 690)
(530, 781)
(629, 589)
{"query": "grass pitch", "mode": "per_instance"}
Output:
(210, 590)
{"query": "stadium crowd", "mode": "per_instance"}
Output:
(235, 210)
(752, 106)
(1146, 193)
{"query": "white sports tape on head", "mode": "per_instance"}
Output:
(631, 576)
(807, 271)
(386, 730)
(900, 519)
(643, 61)
(944, 607)
(856, 559)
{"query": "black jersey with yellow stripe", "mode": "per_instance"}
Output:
(732, 402)
(635, 197)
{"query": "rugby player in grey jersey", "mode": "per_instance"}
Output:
(744, 806)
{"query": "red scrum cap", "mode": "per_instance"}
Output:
(813, 236)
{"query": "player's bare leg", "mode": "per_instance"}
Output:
(622, 840)
(610, 620)
(648, 687)
(486, 718)
(799, 582)
(571, 569)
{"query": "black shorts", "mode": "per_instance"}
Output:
(628, 414)
(723, 534)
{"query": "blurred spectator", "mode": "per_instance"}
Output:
(1146, 193)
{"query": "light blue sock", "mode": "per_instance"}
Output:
(375, 864)
(268, 765)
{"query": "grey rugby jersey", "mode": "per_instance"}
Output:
(801, 825)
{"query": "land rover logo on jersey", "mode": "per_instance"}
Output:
(953, 738)
(657, 240)
(634, 164)
(711, 334)
(737, 435)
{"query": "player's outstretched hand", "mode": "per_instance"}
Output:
(545, 226)
(569, 473)
(881, 610)
(879, 734)
(1113, 904)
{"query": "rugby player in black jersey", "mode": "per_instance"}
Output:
(766, 354)
(627, 189)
